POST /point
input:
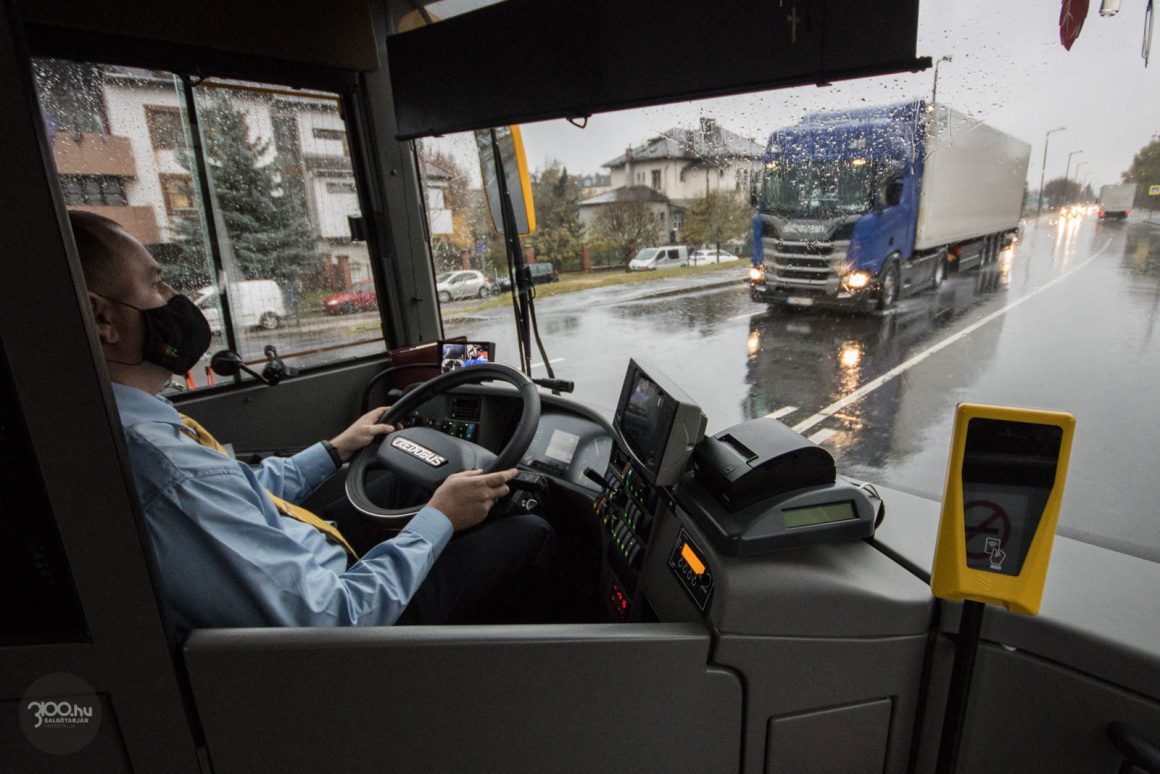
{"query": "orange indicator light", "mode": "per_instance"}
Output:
(695, 563)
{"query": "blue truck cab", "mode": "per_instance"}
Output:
(840, 202)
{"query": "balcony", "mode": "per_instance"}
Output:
(93, 154)
(141, 222)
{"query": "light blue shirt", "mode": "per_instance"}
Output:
(228, 558)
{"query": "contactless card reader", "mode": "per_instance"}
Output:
(1003, 491)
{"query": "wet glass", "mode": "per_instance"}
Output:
(281, 183)
(1059, 311)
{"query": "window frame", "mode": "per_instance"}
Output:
(152, 112)
(177, 212)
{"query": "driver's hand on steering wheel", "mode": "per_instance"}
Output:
(364, 430)
(466, 497)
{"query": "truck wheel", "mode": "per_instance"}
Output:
(268, 321)
(888, 287)
(940, 272)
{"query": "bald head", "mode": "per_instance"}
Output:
(102, 245)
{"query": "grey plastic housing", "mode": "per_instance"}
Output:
(682, 434)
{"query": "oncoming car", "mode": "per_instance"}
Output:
(467, 283)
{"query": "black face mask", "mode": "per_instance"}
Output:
(176, 335)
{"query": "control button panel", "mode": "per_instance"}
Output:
(455, 428)
(691, 570)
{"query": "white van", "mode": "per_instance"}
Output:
(665, 257)
(254, 304)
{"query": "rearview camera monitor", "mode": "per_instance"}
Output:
(459, 354)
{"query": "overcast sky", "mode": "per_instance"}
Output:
(1008, 69)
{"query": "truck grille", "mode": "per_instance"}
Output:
(805, 264)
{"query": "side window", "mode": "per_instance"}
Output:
(281, 186)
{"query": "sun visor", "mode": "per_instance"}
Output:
(336, 34)
(527, 60)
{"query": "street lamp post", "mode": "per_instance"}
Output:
(1077, 166)
(1042, 172)
(934, 91)
(1067, 173)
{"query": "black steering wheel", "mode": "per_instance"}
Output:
(424, 457)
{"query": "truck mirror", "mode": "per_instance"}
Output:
(515, 167)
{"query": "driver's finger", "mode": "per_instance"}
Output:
(500, 477)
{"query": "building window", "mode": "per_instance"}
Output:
(93, 190)
(340, 188)
(656, 179)
(178, 192)
(329, 134)
(165, 127)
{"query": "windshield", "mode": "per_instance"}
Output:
(645, 255)
(1035, 307)
(441, 278)
(816, 190)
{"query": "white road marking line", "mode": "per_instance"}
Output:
(901, 368)
(823, 435)
(781, 412)
(745, 316)
(805, 424)
(553, 360)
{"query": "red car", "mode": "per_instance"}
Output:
(359, 297)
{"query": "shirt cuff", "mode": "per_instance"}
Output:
(315, 463)
(431, 525)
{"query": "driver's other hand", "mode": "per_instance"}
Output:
(364, 430)
(465, 498)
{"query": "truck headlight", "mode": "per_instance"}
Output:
(857, 280)
(756, 273)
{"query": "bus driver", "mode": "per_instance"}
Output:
(232, 546)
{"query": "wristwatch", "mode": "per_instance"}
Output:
(333, 452)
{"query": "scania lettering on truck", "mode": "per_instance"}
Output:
(859, 208)
(1116, 200)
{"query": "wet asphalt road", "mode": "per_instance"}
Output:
(1068, 319)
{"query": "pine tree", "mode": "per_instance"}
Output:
(559, 234)
(265, 220)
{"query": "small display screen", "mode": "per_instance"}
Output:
(562, 446)
(460, 354)
(647, 420)
(810, 515)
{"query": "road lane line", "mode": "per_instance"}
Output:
(550, 362)
(822, 436)
(809, 422)
(745, 316)
(903, 367)
(781, 412)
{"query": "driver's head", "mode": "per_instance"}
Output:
(124, 284)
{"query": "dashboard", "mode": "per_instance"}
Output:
(570, 437)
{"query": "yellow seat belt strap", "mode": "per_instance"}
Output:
(288, 509)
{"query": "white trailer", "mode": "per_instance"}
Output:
(1116, 200)
(972, 181)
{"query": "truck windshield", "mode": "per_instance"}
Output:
(816, 190)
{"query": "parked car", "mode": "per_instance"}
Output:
(667, 257)
(359, 297)
(543, 272)
(253, 304)
(465, 283)
(707, 256)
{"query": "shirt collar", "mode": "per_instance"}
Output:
(136, 406)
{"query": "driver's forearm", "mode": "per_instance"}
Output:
(294, 478)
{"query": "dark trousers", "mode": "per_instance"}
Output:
(500, 571)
